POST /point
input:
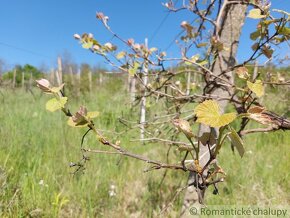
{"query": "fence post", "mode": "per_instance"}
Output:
(59, 65)
(22, 81)
(143, 100)
(90, 81)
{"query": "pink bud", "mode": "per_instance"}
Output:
(77, 36)
(100, 15)
(44, 85)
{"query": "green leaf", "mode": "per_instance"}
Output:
(208, 113)
(87, 45)
(204, 62)
(93, 114)
(256, 87)
(134, 69)
(193, 59)
(207, 138)
(55, 104)
(255, 35)
(283, 30)
(256, 14)
(237, 141)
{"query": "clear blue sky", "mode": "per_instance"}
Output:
(36, 32)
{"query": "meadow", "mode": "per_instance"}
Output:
(37, 147)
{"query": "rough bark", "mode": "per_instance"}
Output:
(231, 22)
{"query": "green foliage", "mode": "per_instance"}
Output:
(28, 70)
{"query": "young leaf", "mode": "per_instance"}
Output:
(121, 55)
(71, 123)
(55, 104)
(237, 141)
(193, 59)
(285, 31)
(207, 138)
(57, 89)
(134, 69)
(242, 72)
(255, 35)
(183, 126)
(93, 114)
(256, 14)
(267, 52)
(87, 45)
(208, 112)
(201, 45)
(80, 117)
(44, 85)
(256, 87)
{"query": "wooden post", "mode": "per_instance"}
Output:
(57, 75)
(59, 70)
(23, 78)
(132, 88)
(255, 73)
(71, 76)
(90, 81)
(78, 82)
(101, 78)
(143, 100)
(52, 78)
(30, 80)
(14, 79)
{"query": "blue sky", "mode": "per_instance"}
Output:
(36, 32)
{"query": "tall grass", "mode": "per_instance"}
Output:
(37, 146)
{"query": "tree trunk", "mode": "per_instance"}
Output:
(231, 21)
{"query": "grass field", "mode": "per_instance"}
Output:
(36, 148)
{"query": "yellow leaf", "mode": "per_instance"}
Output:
(208, 113)
(55, 104)
(153, 49)
(87, 45)
(256, 14)
(256, 87)
(57, 89)
(93, 114)
(121, 55)
(193, 59)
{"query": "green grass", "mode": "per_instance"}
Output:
(36, 147)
